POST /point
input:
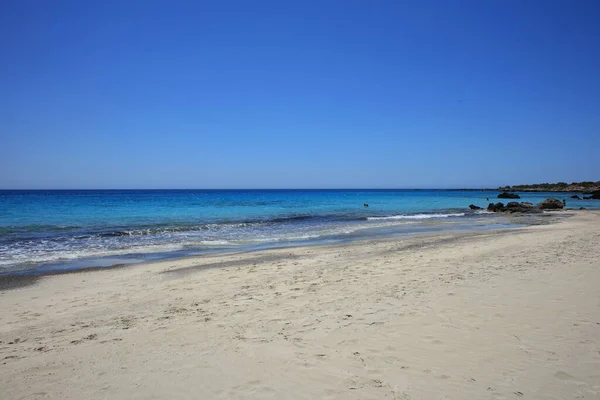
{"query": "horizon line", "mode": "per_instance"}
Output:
(214, 189)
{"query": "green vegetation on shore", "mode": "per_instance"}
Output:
(586, 187)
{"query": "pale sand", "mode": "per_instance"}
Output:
(488, 315)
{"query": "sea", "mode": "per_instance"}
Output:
(50, 231)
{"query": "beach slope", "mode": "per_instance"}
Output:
(483, 315)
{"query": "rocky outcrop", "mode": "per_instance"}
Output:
(513, 207)
(578, 187)
(507, 195)
(474, 207)
(495, 207)
(596, 195)
(524, 207)
(551, 204)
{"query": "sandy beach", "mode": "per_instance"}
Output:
(503, 314)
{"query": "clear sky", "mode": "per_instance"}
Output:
(298, 94)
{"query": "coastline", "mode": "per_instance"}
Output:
(18, 278)
(49, 231)
(493, 314)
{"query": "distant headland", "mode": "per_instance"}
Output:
(584, 187)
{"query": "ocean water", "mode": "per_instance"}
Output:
(45, 231)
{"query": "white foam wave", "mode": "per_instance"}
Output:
(46, 253)
(214, 242)
(417, 216)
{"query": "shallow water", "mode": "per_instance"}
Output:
(44, 231)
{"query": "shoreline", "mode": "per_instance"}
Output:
(9, 281)
(467, 315)
(17, 277)
(65, 230)
(20, 278)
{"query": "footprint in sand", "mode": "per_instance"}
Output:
(563, 375)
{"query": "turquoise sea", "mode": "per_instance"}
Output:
(47, 231)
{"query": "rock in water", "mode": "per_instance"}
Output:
(576, 197)
(596, 195)
(474, 207)
(551, 204)
(514, 207)
(507, 195)
(495, 207)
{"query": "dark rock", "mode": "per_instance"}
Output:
(507, 195)
(495, 207)
(576, 197)
(526, 204)
(587, 197)
(596, 195)
(514, 207)
(582, 208)
(474, 207)
(522, 209)
(551, 204)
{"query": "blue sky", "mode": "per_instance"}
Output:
(298, 94)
